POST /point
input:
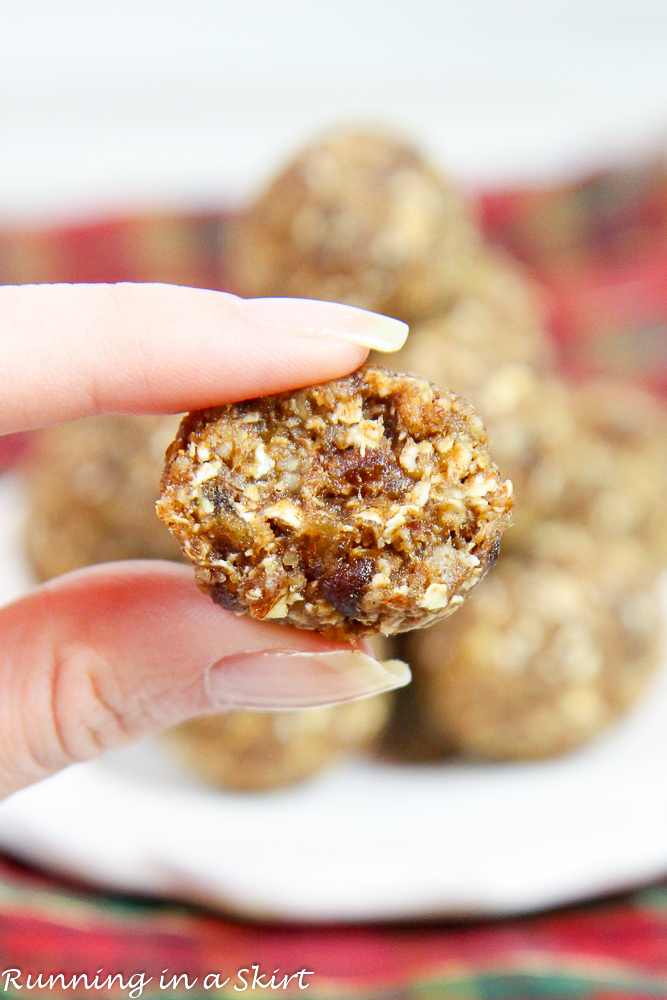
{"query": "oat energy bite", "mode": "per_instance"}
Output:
(357, 217)
(541, 661)
(366, 504)
(91, 487)
(254, 751)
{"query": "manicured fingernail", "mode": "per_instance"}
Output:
(279, 681)
(312, 318)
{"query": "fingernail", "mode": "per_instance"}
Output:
(312, 318)
(280, 681)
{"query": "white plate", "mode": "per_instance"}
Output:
(366, 841)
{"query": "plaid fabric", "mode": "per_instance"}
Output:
(600, 250)
(612, 950)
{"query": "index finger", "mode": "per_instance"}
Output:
(71, 351)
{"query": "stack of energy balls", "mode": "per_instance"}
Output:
(563, 635)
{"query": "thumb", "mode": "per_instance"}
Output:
(107, 655)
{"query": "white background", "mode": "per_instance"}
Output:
(111, 104)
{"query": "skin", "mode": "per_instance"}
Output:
(104, 656)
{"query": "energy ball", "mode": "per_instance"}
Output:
(257, 751)
(602, 464)
(366, 504)
(360, 218)
(465, 345)
(510, 294)
(620, 564)
(92, 487)
(542, 660)
(622, 488)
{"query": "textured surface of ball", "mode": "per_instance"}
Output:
(367, 504)
(92, 487)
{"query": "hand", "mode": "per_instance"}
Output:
(101, 657)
